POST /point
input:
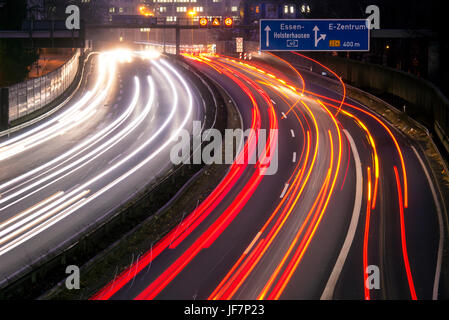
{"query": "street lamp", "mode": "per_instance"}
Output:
(144, 11)
(192, 14)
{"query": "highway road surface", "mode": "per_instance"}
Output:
(65, 174)
(351, 196)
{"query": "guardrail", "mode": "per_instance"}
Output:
(31, 95)
(171, 48)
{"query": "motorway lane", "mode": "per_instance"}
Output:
(420, 219)
(302, 256)
(384, 242)
(85, 171)
(203, 273)
(169, 255)
(270, 263)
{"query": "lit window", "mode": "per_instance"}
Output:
(305, 8)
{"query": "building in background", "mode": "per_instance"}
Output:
(188, 12)
(124, 7)
(36, 10)
(91, 11)
(254, 10)
(183, 11)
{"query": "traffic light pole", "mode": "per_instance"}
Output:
(165, 38)
(178, 40)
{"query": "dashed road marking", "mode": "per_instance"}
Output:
(284, 191)
(114, 159)
(294, 157)
(292, 132)
(252, 243)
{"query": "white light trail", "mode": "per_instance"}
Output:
(53, 216)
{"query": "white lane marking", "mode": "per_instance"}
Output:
(272, 101)
(284, 191)
(283, 115)
(330, 286)
(294, 157)
(292, 132)
(440, 222)
(252, 243)
(115, 158)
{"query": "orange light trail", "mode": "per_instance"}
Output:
(404, 173)
(234, 279)
(196, 216)
(320, 196)
(242, 273)
(212, 233)
(247, 262)
(366, 237)
(403, 239)
(374, 148)
(331, 71)
(243, 270)
(294, 262)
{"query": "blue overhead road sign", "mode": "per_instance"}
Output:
(314, 35)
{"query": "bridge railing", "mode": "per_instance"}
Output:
(171, 48)
(28, 96)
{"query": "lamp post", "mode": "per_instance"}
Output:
(144, 11)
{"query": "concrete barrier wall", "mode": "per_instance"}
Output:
(426, 99)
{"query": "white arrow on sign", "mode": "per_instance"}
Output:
(322, 36)
(267, 30)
